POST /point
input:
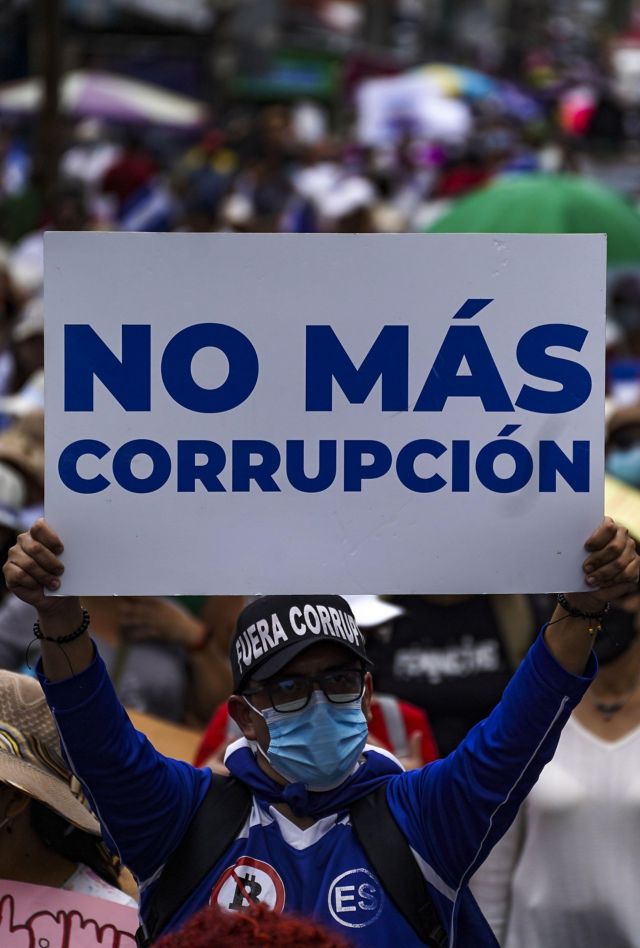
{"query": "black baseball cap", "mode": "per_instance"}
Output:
(274, 629)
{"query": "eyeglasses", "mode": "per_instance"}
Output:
(292, 693)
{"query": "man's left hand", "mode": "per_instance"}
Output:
(612, 567)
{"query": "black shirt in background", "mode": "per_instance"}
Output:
(447, 659)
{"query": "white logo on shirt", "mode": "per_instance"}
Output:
(355, 898)
(458, 661)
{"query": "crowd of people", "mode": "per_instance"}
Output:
(472, 704)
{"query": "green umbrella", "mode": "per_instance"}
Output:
(548, 204)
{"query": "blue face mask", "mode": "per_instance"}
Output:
(625, 465)
(317, 746)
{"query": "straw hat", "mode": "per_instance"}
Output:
(30, 757)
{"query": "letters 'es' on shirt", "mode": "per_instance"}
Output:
(452, 811)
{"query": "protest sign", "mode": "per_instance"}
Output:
(390, 107)
(35, 916)
(276, 413)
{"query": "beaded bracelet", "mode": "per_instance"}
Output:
(63, 639)
(579, 614)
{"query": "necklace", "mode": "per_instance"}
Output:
(608, 708)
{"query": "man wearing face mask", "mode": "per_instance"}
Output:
(622, 452)
(302, 690)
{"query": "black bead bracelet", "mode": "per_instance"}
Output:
(579, 614)
(63, 639)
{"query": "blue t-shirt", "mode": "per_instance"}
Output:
(452, 811)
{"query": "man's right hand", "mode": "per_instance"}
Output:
(33, 570)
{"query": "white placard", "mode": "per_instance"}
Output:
(277, 413)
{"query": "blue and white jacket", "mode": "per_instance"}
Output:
(452, 811)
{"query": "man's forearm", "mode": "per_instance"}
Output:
(70, 658)
(569, 640)
(144, 799)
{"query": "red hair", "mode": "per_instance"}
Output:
(257, 927)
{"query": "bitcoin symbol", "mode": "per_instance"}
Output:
(247, 892)
(247, 882)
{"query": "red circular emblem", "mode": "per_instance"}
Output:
(248, 882)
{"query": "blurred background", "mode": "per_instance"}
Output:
(321, 115)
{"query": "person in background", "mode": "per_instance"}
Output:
(452, 656)
(13, 494)
(66, 210)
(258, 927)
(22, 457)
(132, 168)
(48, 835)
(167, 656)
(193, 632)
(14, 163)
(10, 304)
(21, 498)
(622, 445)
(20, 185)
(200, 179)
(27, 350)
(565, 875)
(92, 151)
